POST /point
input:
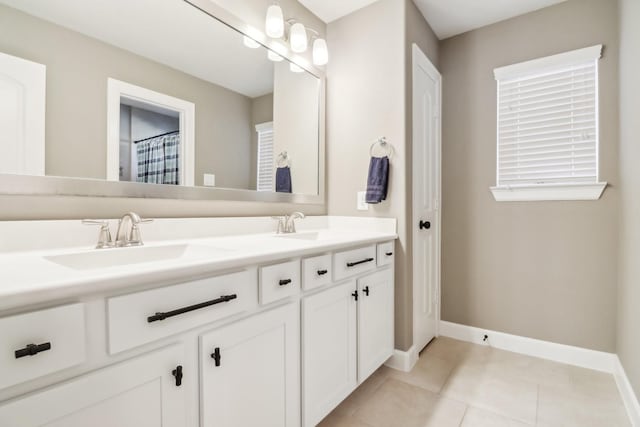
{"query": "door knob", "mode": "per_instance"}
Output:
(425, 225)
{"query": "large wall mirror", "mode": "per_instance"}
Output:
(154, 98)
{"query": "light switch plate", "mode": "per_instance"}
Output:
(209, 180)
(361, 204)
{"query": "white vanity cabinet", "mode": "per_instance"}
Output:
(348, 333)
(275, 344)
(250, 371)
(141, 392)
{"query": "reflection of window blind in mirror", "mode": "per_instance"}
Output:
(548, 120)
(265, 156)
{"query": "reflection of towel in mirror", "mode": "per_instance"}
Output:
(378, 179)
(283, 180)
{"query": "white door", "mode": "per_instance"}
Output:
(22, 110)
(426, 199)
(251, 371)
(141, 392)
(328, 350)
(375, 322)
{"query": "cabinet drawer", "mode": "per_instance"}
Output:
(147, 316)
(355, 261)
(279, 281)
(316, 271)
(41, 342)
(386, 253)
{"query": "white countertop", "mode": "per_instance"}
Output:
(28, 277)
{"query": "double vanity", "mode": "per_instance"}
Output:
(211, 322)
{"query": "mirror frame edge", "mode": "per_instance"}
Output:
(30, 185)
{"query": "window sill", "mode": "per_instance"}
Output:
(549, 192)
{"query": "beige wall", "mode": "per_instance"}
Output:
(628, 346)
(366, 99)
(545, 270)
(20, 207)
(295, 125)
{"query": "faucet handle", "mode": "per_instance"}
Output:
(135, 239)
(281, 223)
(104, 238)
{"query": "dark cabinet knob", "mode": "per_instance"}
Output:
(322, 272)
(216, 356)
(425, 225)
(177, 373)
(284, 282)
(366, 290)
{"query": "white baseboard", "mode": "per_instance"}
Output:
(591, 359)
(626, 391)
(403, 360)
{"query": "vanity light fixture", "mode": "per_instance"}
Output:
(297, 36)
(250, 43)
(274, 56)
(274, 24)
(294, 68)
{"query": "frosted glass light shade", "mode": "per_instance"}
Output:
(250, 43)
(298, 38)
(274, 56)
(295, 68)
(320, 52)
(274, 25)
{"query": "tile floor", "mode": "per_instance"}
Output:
(459, 384)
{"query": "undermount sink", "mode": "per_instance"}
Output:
(105, 258)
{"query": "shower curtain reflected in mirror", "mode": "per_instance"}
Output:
(158, 160)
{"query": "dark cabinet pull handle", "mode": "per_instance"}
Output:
(322, 272)
(284, 282)
(353, 264)
(355, 295)
(32, 350)
(425, 225)
(177, 373)
(366, 290)
(389, 253)
(216, 356)
(164, 315)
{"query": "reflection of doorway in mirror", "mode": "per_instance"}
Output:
(149, 145)
(150, 136)
(22, 116)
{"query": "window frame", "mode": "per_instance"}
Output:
(558, 190)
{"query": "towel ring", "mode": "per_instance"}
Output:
(283, 160)
(382, 142)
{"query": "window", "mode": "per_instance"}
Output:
(265, 157)
(548, 128)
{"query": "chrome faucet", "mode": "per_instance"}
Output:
(128, 233)
(286, 223)
(104, 238)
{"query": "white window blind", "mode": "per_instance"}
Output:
(265, 157)
(548, 120)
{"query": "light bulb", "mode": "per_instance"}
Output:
(298, 38)
(295, 68)
(274, 25)
(274, 56)
(250, 43)
(320, 52)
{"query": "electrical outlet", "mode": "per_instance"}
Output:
(209, 180)
(361, 203)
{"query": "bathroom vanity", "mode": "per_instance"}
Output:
(203, 325)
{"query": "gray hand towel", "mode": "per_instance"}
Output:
(283, 180)
(378, 180)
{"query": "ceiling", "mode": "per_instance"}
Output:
(170, 32)
(446, 17)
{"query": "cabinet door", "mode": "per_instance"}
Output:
(329, 350)
(141, 392)
(375, 322)
(251, 371)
